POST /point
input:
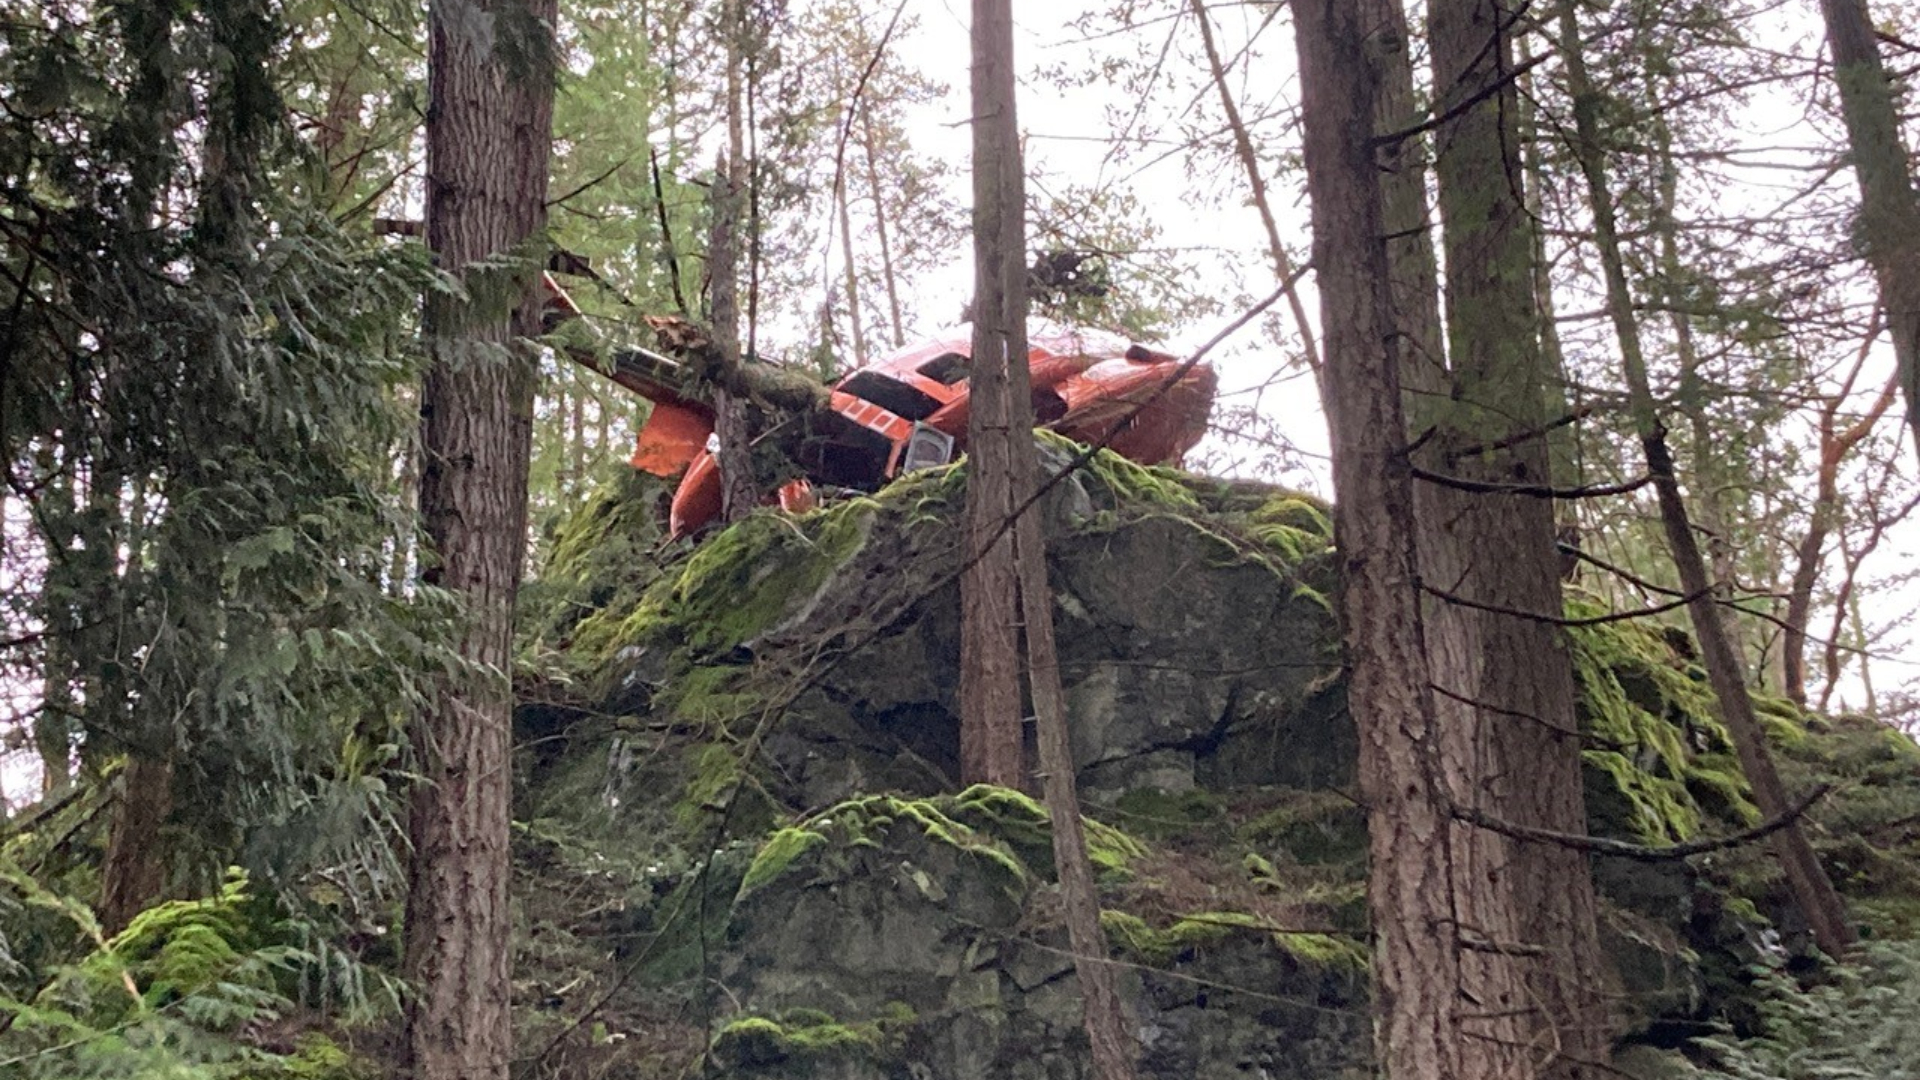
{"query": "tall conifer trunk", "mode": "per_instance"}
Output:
(990, 699)
(1416, 963)
(489, 130)
(1889, 224)
(1000, 352)
(1503, 682)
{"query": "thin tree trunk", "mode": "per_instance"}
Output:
(489, 132)
(1563, 444)
(1113, 1050)
(990, 740)
(850, 274)
(732, 427)
(577, 447)
(1257, 185)
(1000, 311)
(1889, 217)
(739, 493)
(1416, 970)
(1809, 553)
(53, 726)
(1812, 890)
(895, 323)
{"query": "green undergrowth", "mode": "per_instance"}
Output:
(1867, 831)
(182, 991)
(1002, 830)
(752, 1043)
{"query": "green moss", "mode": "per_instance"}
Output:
(866, 822)
(317, 1057)
(715, 694)
(746, 578)
(925, 494)
(777, 855)
(1003, 829)
(737, 584)
(1024, 823)
(1314, 828)
(1296, 510)
(600, 561)
(803, 1036)
(1784, 723)
(1132, 936)
(1655, 733)
(1323, 950)
(1293, 526)
(1129, 481)
(1158, 814)
(719, 779)
(1189, 933)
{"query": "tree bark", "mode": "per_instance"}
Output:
(732, 424)
(1506, 693)
(1416, 969)
(1889, 225)
(990, 739)
(489, 132)
(1000, 313)
(132, 873)
(1812, 890)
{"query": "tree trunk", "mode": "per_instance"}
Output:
(732, 426)
(1809, 553)
(1416, 969)
(887, 273)
(1000, 313)
(1243, 149)
(1504, 682)
(132, 873)
(1813, 892)
(1889, 224)
(850, 273)
(990, 738)
(489, 133)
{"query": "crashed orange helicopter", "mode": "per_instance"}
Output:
(909, 410)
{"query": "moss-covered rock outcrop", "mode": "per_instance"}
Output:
(747, 753)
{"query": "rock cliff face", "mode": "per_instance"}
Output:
(742, 846)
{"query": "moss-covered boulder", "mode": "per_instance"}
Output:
(739, 826)
(820, 653)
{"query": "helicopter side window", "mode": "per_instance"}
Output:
(947, 368)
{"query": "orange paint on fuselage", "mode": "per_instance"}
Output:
(1086, 385)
